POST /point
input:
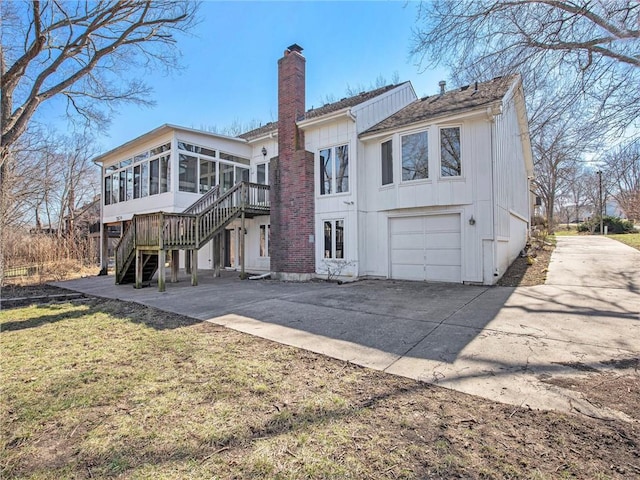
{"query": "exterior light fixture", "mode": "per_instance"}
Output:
(264, 151)
(472, 221)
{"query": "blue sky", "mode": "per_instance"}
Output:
(230, 61)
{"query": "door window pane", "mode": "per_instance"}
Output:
(123, 185)
(328, 235)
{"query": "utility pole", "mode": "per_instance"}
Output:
(599, 172)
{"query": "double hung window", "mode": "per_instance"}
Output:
(334, 170)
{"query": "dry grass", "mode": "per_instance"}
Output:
(102, 389)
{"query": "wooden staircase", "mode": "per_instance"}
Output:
(143, 246)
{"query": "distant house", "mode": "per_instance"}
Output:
(382, 184)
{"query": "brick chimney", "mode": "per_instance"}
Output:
(291, 178)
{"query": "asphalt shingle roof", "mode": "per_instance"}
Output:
(320, 111)
(453, 101)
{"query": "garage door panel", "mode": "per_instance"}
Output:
(407, 257)
(438, 273)
(410, 241)
(444, 223)
(443, 257)
(426, 248)
(408, 272)
(443, 240)
(408, 225)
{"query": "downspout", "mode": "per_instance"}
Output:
(493, 193)
(356, 226)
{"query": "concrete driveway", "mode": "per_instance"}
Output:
(495, 342)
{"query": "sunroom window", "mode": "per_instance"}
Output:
(187, 173)
(415, 156)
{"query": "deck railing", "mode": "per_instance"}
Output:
(173, 231)
(204, 202)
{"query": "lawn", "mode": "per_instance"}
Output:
(100, 389)
(631, 239)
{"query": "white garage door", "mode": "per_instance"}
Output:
(426, 248)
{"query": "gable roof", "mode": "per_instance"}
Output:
(320, 111)
(462, 99)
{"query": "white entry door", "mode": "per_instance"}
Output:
(426, 248)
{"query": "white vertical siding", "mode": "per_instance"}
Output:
(373, 111)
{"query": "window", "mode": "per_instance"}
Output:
(136, 181)
(144, 185)
(334, 239)
(387, 162)
(154, 177)
(233, 158)
(415, 156)
(187, 173)
(207, 175)
(226, 177)
(450, 161)
(115, 195)
(261, 174)
(107, 190)
(334, 170)
(123, 185)
(129, 183)
(165, 173)
(196, 149)
(145, 174)
(242, 174)
(326, 166)
(265, 231)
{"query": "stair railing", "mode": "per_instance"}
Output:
(204, 202)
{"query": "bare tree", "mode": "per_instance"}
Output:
(622, 169)
(82, 52)
(580, 63)
(590, 49)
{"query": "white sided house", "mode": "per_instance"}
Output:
(382, 184)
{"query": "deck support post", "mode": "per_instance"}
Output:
(217, 254)
(187, 261)
(194, 267)
(175, 265)
(104, 248)
(242, 235)
(162, 258)
(139, 267)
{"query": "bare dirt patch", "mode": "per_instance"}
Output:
(616, 385)
(114, 389)
(528, 271)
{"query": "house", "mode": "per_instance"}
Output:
(382, 184)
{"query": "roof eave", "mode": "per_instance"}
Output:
(162, 129)
(488, 108)
(329, 117)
